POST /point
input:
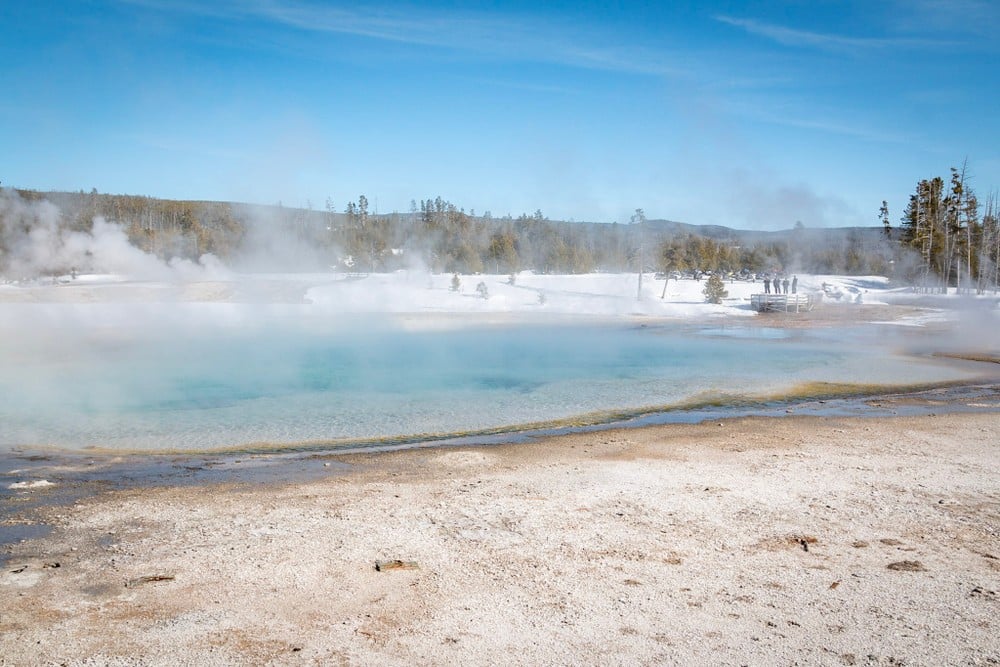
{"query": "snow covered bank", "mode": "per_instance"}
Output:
(591, 294)
(420, 292)
(599, 294)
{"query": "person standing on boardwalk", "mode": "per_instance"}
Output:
(795, 284)
(777, 284)
(767, 284)
(784, 284)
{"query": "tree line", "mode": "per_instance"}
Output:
(955, 238)
(437, 234)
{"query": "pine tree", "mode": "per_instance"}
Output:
(883, 214)
(715, 291)
(923, 226)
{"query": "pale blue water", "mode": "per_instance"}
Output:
(223, 385)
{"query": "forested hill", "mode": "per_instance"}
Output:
(441, 236)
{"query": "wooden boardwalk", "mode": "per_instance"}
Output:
(787, 303)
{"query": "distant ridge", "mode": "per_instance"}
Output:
(752, 236)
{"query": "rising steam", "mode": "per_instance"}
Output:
(35, 242)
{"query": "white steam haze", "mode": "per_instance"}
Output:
(35, 242)
(268, 246)
(759, 201)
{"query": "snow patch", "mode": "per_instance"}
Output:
(36, 484)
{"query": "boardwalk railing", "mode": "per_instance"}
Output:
(788, 303)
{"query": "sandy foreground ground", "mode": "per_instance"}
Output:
(793, 541)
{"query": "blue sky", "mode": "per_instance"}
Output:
(747, 114)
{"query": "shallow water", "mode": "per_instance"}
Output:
(206, 379)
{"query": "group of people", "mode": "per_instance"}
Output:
(781, 284)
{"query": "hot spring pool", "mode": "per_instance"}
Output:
(207, 379)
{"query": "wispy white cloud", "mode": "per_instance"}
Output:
(824, 41)
(827, 126)
(505, 36)
(786, 112)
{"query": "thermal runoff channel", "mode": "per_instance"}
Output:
(205, 376)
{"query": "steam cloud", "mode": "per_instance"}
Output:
(34, 242)
(762, 204)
